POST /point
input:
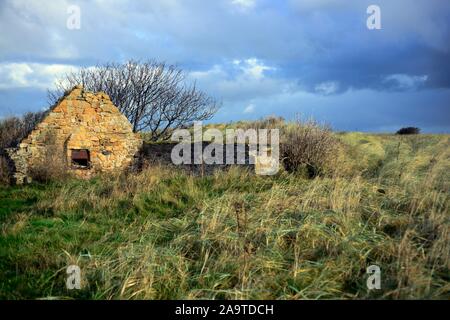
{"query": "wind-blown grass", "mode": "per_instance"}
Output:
(163, 234)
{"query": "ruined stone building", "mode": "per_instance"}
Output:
(84, 132)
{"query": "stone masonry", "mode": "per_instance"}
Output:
(81, 124)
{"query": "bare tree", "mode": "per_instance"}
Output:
(14, 129)
(154, 96)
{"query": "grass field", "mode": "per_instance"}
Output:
(163, 234)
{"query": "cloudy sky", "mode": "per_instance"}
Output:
(259, 57)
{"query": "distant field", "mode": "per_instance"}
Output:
(163, 234)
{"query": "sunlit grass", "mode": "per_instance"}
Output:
(163, 234)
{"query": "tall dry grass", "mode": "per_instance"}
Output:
(163, 234)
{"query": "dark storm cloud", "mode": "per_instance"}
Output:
(274, 56)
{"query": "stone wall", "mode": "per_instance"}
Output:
(160, 154)
(79, 121)
(17, 165)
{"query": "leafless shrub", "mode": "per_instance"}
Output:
(308, 145)
(14, 129)
(155, 97)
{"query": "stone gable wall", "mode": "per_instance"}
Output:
(80, 120)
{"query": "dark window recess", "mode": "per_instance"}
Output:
(80, 158)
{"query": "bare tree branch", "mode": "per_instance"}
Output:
(155, 97)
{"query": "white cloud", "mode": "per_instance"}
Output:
(327, 88)
(215, 71)
(244, 4)
(31, 75)
(405, 81)
(242, 80)
(250, 108)
(252, 68)
(39, 27)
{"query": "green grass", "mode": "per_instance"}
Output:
(163, 234)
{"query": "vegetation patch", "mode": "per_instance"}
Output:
(165, 234)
